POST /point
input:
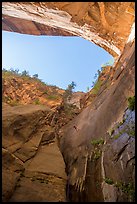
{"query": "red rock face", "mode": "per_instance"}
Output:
(23, 26)
(18, 90)
(107, 24)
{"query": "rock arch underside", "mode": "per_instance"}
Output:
(95, 151)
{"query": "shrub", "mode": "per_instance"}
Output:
(110, 132)
(13, 103)
(119, 134)
(127, 188)
(116, 136)
(131, 103)
(35, 76)
(109, 181)
(131, 132)
(25, 73)
(109, 63)
(11, 72)
(45, 92)
(37, 102)
(96, 87)
(97, 142)
(97, 154)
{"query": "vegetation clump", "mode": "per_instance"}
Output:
(109, 181)
(116, 136)
(127, 188)
(110, 132)
(68, 92)
(96, 87)
(97, 151)
(37, 102)
(97, 142)
(131, 132)
(97, 154)
(51, 92)
(131, 103)
(24, 74)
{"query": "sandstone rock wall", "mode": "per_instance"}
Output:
(18, 90)
(84, 163)
(32, 165)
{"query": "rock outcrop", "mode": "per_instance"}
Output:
(23, 90)
(99, 22)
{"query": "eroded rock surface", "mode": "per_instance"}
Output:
(31, 158)
(90, 155)
(23, 90)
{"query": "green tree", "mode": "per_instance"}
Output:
(25, 73)
(14, 71)
(68, 92)
(131, 103)
(98, 72)
(4, 70)
(35, 76)
(109, 63)
(87, 88)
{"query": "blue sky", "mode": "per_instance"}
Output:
(56, 60)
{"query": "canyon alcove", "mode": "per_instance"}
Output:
(93, 150)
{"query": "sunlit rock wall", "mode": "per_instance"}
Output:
(107, 24)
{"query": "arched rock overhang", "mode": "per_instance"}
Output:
(107, 24)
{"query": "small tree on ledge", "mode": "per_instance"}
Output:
(25, 73)
(35, 76)
(68, 92)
